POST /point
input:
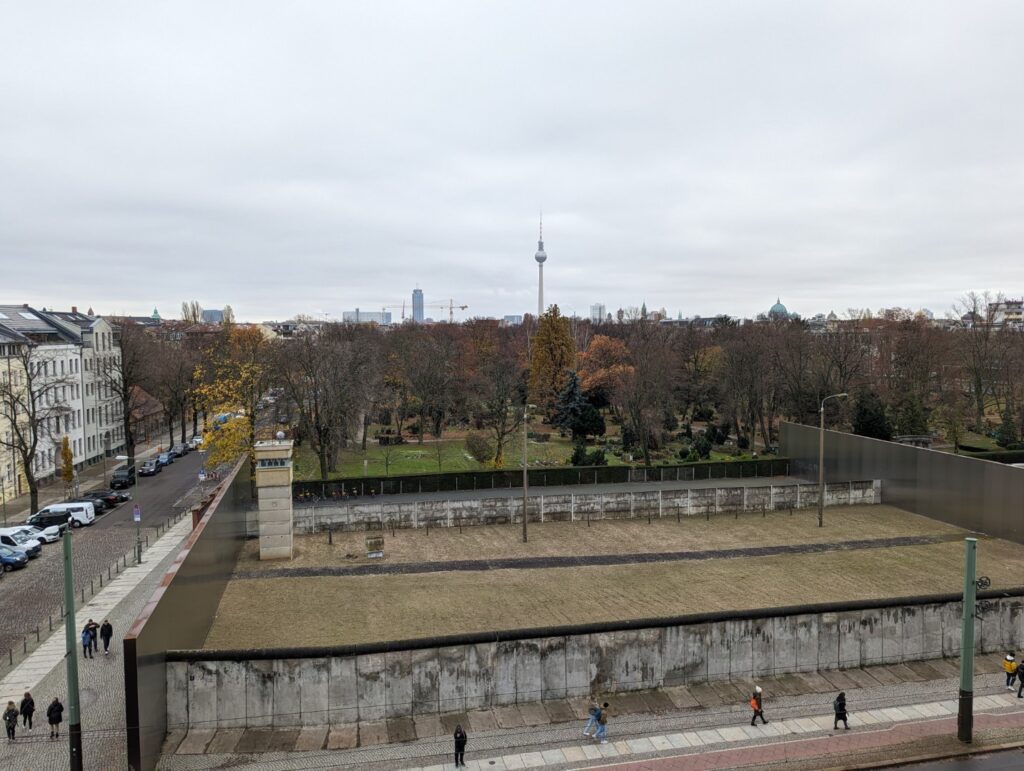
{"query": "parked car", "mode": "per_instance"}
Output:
(150, 468)
(180, 450)
(111, 498)
(12, 559)
(76, 514)
(165, 459)
(50, 534)
(196, 441)
(101, 506)
(122, 477)
(13, 539)
(44, 519)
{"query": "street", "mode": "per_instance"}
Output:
(32, 596)
(995, 761)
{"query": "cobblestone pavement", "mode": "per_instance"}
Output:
(528, 739)
(528, 563)
(34, 596)
(101, 682)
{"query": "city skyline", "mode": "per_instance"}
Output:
(698, 157)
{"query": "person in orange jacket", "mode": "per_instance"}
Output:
(757, 705)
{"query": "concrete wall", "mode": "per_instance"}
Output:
(686, 502)
(207, 689)
(978, 495)
(180, 613)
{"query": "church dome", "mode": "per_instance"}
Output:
(778, 311)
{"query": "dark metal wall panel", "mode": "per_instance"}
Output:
(978, 495)
(180, 613)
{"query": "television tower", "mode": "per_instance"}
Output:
(540, 257)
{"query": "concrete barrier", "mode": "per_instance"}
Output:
(577, 507)
(221, 689)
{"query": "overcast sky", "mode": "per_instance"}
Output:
(299, 157)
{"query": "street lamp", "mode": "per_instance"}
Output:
(526, 479)
(106, 454)
(138, 525)
(821, 456)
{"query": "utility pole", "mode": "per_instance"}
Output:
(74, 718)
(526, 477)
(965, 713)
(821, 456)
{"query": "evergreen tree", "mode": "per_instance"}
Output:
(869, 418)
(910, 417)
(554, 354)
(1007, 434)
(575, 414)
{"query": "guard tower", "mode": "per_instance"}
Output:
(274, 491)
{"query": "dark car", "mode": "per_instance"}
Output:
(101, 506)
(122, 477)
(109, 497)
(165, 459)
(150, 468)
(45, 519)
(180, 450)
(11, 559)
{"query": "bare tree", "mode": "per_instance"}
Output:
(124, 372)
(30, 400)
(980, 348)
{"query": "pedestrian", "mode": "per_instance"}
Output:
(10, 720)
(54, 716)
(460, 746)
(93, 628)
(591, 725)
(1010, 667)
(839, 705)
(1020, 688)
(106, 632)
(27, 708)
(602, 724)
(86, 644)
(757, 705)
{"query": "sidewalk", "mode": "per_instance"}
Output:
(101, 680)
(708, 723)
(89, 478)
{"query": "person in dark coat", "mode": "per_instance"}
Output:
(106, 632)
(460, 746)
(27, 708)
(10, 720)
(86, 643)
(54, 716)
(93, 628)
(839, 705)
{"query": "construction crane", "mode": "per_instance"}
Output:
(451, 306)
(384, 309)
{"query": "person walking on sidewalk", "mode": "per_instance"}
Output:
(106, 632)
(27, 708)
(10, 720)
(54, 716)
(460, 746)
(86, 644)
(93, 628)
(839, 705)
(1010, 667)
(602, 724)
(594, 711)
(757, 705)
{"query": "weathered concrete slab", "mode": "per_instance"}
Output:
(401, 729)
(945, 667)
(225, 741)
(428, 726)
(628, 703)
(450, 720)
(283, 740)
(196, 742)
(481, 720)
(533, 713)
(172, 740)
(657, 701)
(839, 679)
(731, 693)
(343, 737)
(905, 673)
(311, 738)
(254, 740)
(508, 717)
(784, 686)
(559, 711)
(814, 683)
(373, 732)
(923, 669)
(862, 678)
(883, 675)
(681, 697)
(705, 695)
(581, 707)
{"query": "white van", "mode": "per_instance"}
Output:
(79, 513)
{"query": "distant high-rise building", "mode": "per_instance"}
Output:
(512, 321)
(366, 317)
(541, 256)
(597, 313)
(213, 316)
(417, 306)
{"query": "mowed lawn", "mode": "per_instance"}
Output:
(607, 537)
(347, 610)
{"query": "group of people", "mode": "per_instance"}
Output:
(90, 632)
(838, 708)
(25, 710)
(1013, 672)
(599, 720)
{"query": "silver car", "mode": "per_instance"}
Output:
(50, 534)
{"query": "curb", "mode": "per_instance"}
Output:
(966, 751)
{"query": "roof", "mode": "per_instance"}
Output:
(8, 335)
(35, 325)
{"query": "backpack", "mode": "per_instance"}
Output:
(603, 719)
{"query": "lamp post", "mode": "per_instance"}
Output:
(526, 478)
(138, 525)
(821, 456)
(106, 454)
